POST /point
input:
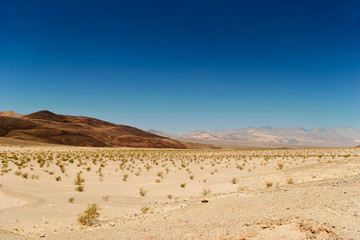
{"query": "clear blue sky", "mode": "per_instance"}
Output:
(184, 65)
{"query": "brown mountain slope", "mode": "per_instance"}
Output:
(47, 127)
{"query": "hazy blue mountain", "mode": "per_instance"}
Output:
(275, 136)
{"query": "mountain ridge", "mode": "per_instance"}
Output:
(47, 127)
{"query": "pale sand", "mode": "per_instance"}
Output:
(323, 202)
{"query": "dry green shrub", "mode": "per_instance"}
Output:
(25, 175)
(89, 216)
(80, 188)
(145, 209)
(142, 192)
(269, 184)
(234, 180)
(125, 177)
(79, 181)
(290, 181)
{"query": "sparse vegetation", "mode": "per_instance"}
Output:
(79, 182)
(142, 192)
(234, 180)
(145, 209)
(196, 170)
(290, 181)
(89, 216)
(125, 177)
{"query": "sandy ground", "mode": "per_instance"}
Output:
(251, 194)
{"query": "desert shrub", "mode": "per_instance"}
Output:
(79, 181)
(290, 181)
(125, 177)
(80, 188)
(142, 192)
(145, 209)
(160, 174)
(89, 216)
(25, 175)
(234, 180)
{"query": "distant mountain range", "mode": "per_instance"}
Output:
(274, 137)
(48, 127)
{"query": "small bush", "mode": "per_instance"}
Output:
(89, 215)
(79, 181)
(142, 192)
(234, 180)
(145, 209)
(71, 199)
(125, 177)
(80, 188)
(290, 181)
(160, 174)
(183, 185)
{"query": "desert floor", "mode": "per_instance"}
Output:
(158, 194)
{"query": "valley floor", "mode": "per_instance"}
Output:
(158, 194)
